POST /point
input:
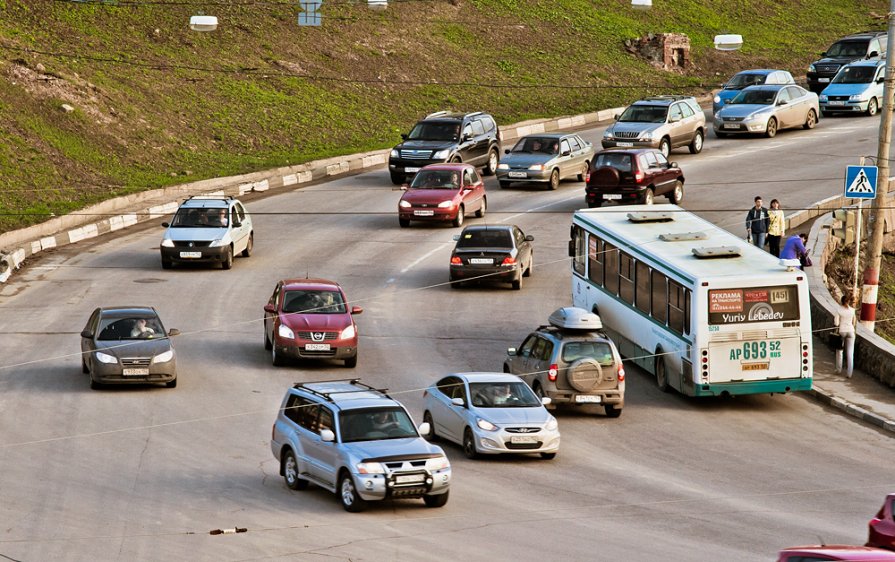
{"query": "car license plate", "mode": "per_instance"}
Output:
(823, 80)
(424, 213)
(835, 103)
(517, 174)
(481, 261)
(756, 366)
(411, 170)
(316, 347)
(409, 478)
(625, 144)
(731, 125)
(134, 372)
(587, 399)
(191, 254)
(523, 439)
(612, 196)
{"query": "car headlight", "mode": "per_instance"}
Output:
(105, 358)
(536, 167)
(607, 134)
(822, 97)
(811, 68)
(167, 243)
(370, 468)
(646, 135)
(858, 97)
(441, 154)
(348, 333)
(503, 166)
(552, 424)
(217, 243)
(405, 204)
(445, 204)
(717, 99)
(164, 357)
(284, 332)
(485, 424)
(394, 153)
(438, 463)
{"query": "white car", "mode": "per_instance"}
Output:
(207, 229)
(490, 413)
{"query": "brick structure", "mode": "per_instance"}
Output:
(668, 51)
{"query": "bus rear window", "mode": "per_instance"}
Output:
(753, 304)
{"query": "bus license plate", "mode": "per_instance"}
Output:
(523, 439)
(134, 372)
(317, 347)
(756, 366)
(587, 399)
(191, 254)
(410, 478)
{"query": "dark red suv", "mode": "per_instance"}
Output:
(635, 175)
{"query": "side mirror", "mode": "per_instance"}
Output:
(567, 153)
(457, 402)
(466, 137)
(616, 116)
(511, 351)
(674, 119)
(405, 186)
(424, 428)
(403, 136)
(270, 308)
(546, 400)
(506, 150)
(237, 224)
(672, 164)
(456, 237)
(782, 102)
(571, 248)
(166, 225)
(529, 237)
(872, 54)
(87, 334)
(823, 53)
(327, 435)
(881, 79)
(356, 310)
(173, 332)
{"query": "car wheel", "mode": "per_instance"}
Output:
(484, 208)
(228, 259)
(677, 193)
(397, 179)
(531, 265)
(267, 345)
(665, 147)
(811, 120)
(250, 246)
(548, 456)
(771, 130)
(469, 445)
(460, 217)
(431, 436)
(290, 472)
(84, 368)
(872, 107)
(539, 392)
(351, 501)
(661, 375)
(171, 384)
(554, 180)
(517, 283)
(612, 411)
(436, 500)
(491, 167)
(696, 143)
(505, 184)
(583, 175)
(167, 264)
(404, 223)
(351, 362)
(275, 357)
(648, 196)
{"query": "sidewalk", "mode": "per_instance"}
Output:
(862, 396)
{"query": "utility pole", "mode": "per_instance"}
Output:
(875, 247)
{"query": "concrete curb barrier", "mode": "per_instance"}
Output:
(828, 398)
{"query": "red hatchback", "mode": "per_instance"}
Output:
(443, 192)
(310, 319)
(882, 527)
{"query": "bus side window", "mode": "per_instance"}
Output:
(580, 256)
(675, 306)
(642, 292)
(610, 263)
(626, 277)
(660, 297)
(595, 259)
(687, 311)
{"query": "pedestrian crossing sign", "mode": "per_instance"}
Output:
(860, 182)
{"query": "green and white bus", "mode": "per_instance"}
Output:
(705, 311)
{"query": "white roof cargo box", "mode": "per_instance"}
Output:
(572, 318)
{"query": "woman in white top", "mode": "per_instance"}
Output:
(845, 320)
(776, 227)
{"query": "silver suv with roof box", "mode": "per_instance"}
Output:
(207, 229)
(571, 361)
(663, 122)
(356, 441)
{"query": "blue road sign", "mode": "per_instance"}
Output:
(860, 182)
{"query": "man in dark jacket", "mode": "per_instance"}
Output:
(757, 222)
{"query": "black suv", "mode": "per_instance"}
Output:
(473, 138)
(864, 45)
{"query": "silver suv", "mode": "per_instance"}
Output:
(571, 361)
(662, 122)
(356, 441)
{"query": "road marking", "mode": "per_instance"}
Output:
(424, 256)
(541, 207)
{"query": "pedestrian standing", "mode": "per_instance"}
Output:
(845, 321)
(757, 223)
(776, 227)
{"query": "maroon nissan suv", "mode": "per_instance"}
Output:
(634, 175)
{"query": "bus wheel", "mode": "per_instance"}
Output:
(661, 374)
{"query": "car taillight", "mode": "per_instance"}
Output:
(509, 260)
(551, 373)
(455, 260)
(587, 177)
(638, 175)
(621, 373)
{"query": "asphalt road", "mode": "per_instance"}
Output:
(146, 473)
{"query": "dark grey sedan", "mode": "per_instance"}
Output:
(546, 158)
(127, 345)
(491, 253)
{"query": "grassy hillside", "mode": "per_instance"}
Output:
(157, 104)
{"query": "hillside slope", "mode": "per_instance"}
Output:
(153, 103)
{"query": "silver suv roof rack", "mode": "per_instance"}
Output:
(364, 387)
(438, 114)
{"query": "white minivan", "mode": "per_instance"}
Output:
(208, 229)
